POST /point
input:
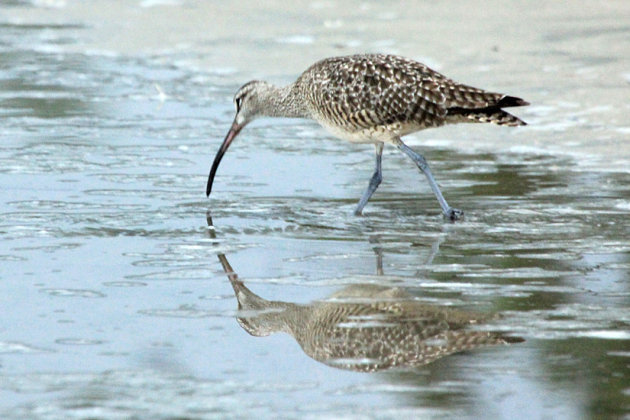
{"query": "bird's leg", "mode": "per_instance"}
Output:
(449, 212)
(375, 181)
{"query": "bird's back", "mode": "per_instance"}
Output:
(368, 97)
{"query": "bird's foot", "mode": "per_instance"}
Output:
(453, 214)
(358, 210)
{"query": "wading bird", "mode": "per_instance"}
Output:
(372, 98)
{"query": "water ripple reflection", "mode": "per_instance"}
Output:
(113, 302)
(365, 327)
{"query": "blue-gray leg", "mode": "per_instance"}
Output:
(375, 181)
(449, 212)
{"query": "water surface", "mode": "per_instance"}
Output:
(115, 304)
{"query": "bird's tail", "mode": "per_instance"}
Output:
(490, 114)
(495, 116)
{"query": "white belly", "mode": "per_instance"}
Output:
(369, 135)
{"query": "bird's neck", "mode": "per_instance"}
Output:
(265, 316)
(283, 101)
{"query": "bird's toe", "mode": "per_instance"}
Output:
(454, 214)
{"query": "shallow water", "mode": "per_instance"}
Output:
(115, 305)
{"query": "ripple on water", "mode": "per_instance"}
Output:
(183, 311)
(92, 151)
(573, 320)
(12, 258)
(71, 341)
(144, 393)
(124, 284)
(7, 347)
(82, 293)
(606, 334)
(191, 272)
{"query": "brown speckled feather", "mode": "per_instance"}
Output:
(367, 328)
(368, 91)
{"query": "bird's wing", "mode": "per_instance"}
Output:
(369, 90)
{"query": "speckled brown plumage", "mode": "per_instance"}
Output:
(376, 96)
(365, 327)
(372, 98)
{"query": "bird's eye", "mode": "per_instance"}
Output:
(239, 101)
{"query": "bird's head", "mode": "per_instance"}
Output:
(248, 102)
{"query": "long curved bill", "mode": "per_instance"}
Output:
(234, 130)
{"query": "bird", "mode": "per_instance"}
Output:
(372, 98)
(366, 327)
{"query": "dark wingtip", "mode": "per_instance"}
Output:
(513, 340)
(508, 101)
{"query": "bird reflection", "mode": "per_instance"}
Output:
(364, 327)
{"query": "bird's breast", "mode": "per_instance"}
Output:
(378, 133)
(354, 134)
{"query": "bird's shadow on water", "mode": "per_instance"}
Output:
(365, 327)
